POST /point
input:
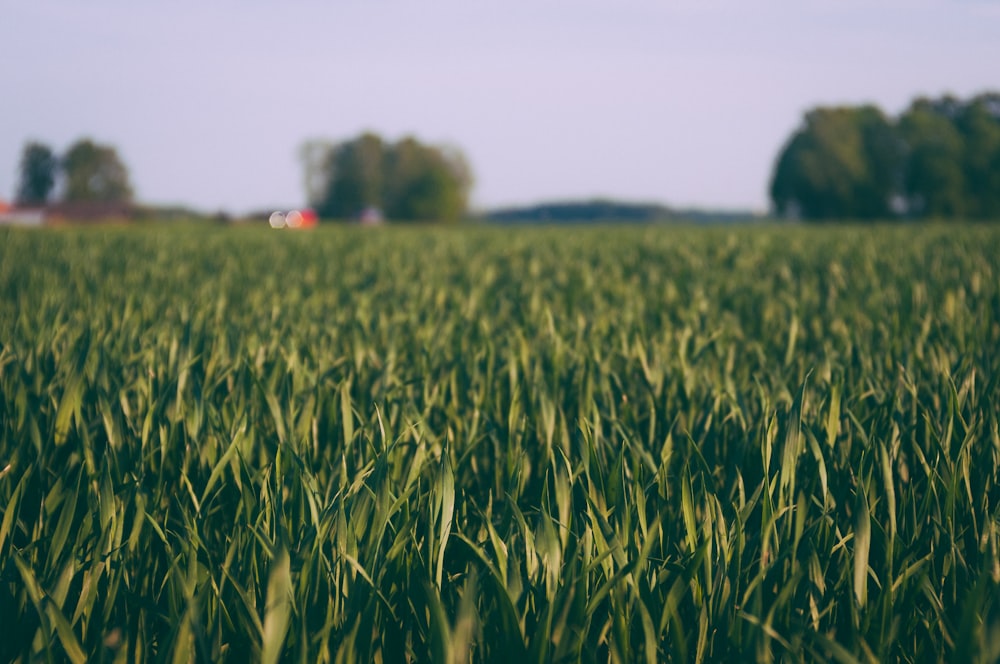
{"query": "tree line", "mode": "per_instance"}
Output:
(939, 159)
(86, 172)
(404, 180)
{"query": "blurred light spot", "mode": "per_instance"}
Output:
(293, 219)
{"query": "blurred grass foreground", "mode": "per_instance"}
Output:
(417, 444)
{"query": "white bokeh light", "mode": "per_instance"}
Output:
(293, 219)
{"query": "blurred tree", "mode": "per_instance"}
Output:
(934, 183)
(979, 125)
(94, 172)
(424, 183)
(406, 180)
(38, 169)
(842, 163)
(884, 156)
(354, 171)
(940, 158)
(314, 154)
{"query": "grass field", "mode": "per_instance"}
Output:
(593, 444)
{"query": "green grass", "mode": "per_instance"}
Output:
(598, 444)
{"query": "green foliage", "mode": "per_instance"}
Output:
(406, 180)
(628, 444)
(980, 126)
(595, 210)
(939, 159)
(95, 173)
(355, 178)
(934, 180)
(840, 165)
(38, 169)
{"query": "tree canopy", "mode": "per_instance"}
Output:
(405, 181)
(87, 172)
(940, 158)
(38, 169)
(95, 172)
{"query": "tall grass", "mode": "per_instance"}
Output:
(618, 444)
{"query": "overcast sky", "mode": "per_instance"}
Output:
(685, 103)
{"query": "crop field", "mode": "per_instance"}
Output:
(638, 444)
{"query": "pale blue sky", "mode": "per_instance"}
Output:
(685, 103)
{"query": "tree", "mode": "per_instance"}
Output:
(934, 183)
(884, 157)
(38, 170)
(940, 158)
(842, 163)
(425, 183)
(406, 180)
(979, 125)
(314, 155)
(353, 177)
(94, 172)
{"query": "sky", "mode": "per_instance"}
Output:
(685, 102)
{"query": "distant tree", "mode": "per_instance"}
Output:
(934, 181)
(406, 180)
(842, 163)
(599, 210)
(940, 159)
(979, 125)
(314, 155)
(354, 177)
(95, 172)
(884, 157)
(424, 183)
(38, 170)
